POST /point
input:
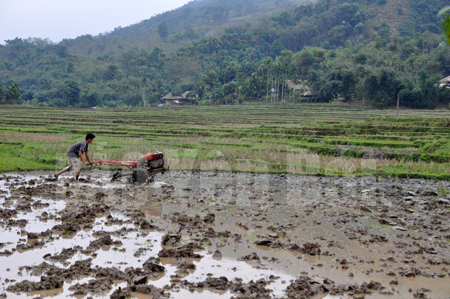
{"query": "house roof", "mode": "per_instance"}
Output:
(299, 86)
(445, 81)
(169, 96)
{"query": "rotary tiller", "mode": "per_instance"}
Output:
(143, 170)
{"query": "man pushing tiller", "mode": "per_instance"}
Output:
(74, 155)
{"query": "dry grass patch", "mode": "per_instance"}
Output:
(32, 137)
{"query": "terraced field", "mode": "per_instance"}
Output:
(330, 140)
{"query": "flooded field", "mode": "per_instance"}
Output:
(223, 235)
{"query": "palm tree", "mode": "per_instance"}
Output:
(446, 24)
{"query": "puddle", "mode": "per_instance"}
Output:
(272, 235)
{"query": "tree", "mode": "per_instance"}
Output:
(382, 86)
(112, 72)
(89, 96)
(2, 93)
(321, 88)
(216, 12)
(70, 67)
(13, 94)
(71, 93)
(56, 102)
(143, 86)
(199, 88)
(446, 25)
(163, 29)
(276, 48)
(336, 79)
(421, 95)
(229, 89)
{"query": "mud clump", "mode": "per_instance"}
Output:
(100, 208)
(410, 272)
(32, 236)
(421, 293)
(38, 204)
(184, 221)
(213, 283)
(311, 249)
(110, 220)
(140, 251)
(211, 233)
(134, 214)
(92, 286)
(171, 239)
(66, 229)
(251, 258)
(251, 289)
(242, 290)
(185, 266)
(65, 254)
(210, 218)
(46, 283)
(84, 214)
(307, 287)
(307, 248)
(99, 243)
(121, 293)
(135, 280)
(30, 246)
(217, 255)
(16, 223)
(6, 213)
(99, 196)
(272, 244)
(151, 265)
(145, 225)
(154, 292)
(179, 253)
(364, 288)
(220, 284)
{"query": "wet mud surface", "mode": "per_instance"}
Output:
(223, 235)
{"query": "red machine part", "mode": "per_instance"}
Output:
(153, 156)
(147, 157)
(121, 163)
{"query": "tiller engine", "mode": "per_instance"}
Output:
(143, 170)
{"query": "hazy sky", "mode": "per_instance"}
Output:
(58, 19)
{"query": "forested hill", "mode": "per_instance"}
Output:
(173, 29)
(367, 50)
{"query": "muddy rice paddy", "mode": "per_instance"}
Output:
(223, 235)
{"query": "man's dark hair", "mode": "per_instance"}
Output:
(90, 136)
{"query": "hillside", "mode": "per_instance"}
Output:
(193, 21)
(394, 13)
(344, 49)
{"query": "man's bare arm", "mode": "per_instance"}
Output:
(80, 154)
(87, 157)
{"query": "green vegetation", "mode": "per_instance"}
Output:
(227, 53)
(313, 139)
(10, 95)
(446, 25)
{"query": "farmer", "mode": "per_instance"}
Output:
(75, 153)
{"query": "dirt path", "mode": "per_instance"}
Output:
(223, 235)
